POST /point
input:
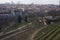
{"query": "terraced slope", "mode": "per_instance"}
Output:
(48, 33)
(24, 33)
(57, 37)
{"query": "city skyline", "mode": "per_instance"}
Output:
(56, 2)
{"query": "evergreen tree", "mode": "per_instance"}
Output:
(19, 19)
(26, 19)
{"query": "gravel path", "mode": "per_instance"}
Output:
(34, 34)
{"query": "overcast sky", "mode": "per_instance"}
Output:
(32, 1)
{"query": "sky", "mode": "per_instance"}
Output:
(32, 1)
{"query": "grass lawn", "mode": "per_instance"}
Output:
(16, 26)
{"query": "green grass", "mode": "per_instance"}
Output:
(43, 32)
(16, 26)
(53, 34)
(46, 32)
(57, 37)
(50, 33)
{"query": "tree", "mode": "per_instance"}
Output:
(19, 19)
(26, 19)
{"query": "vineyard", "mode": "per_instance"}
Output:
(50, 32)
